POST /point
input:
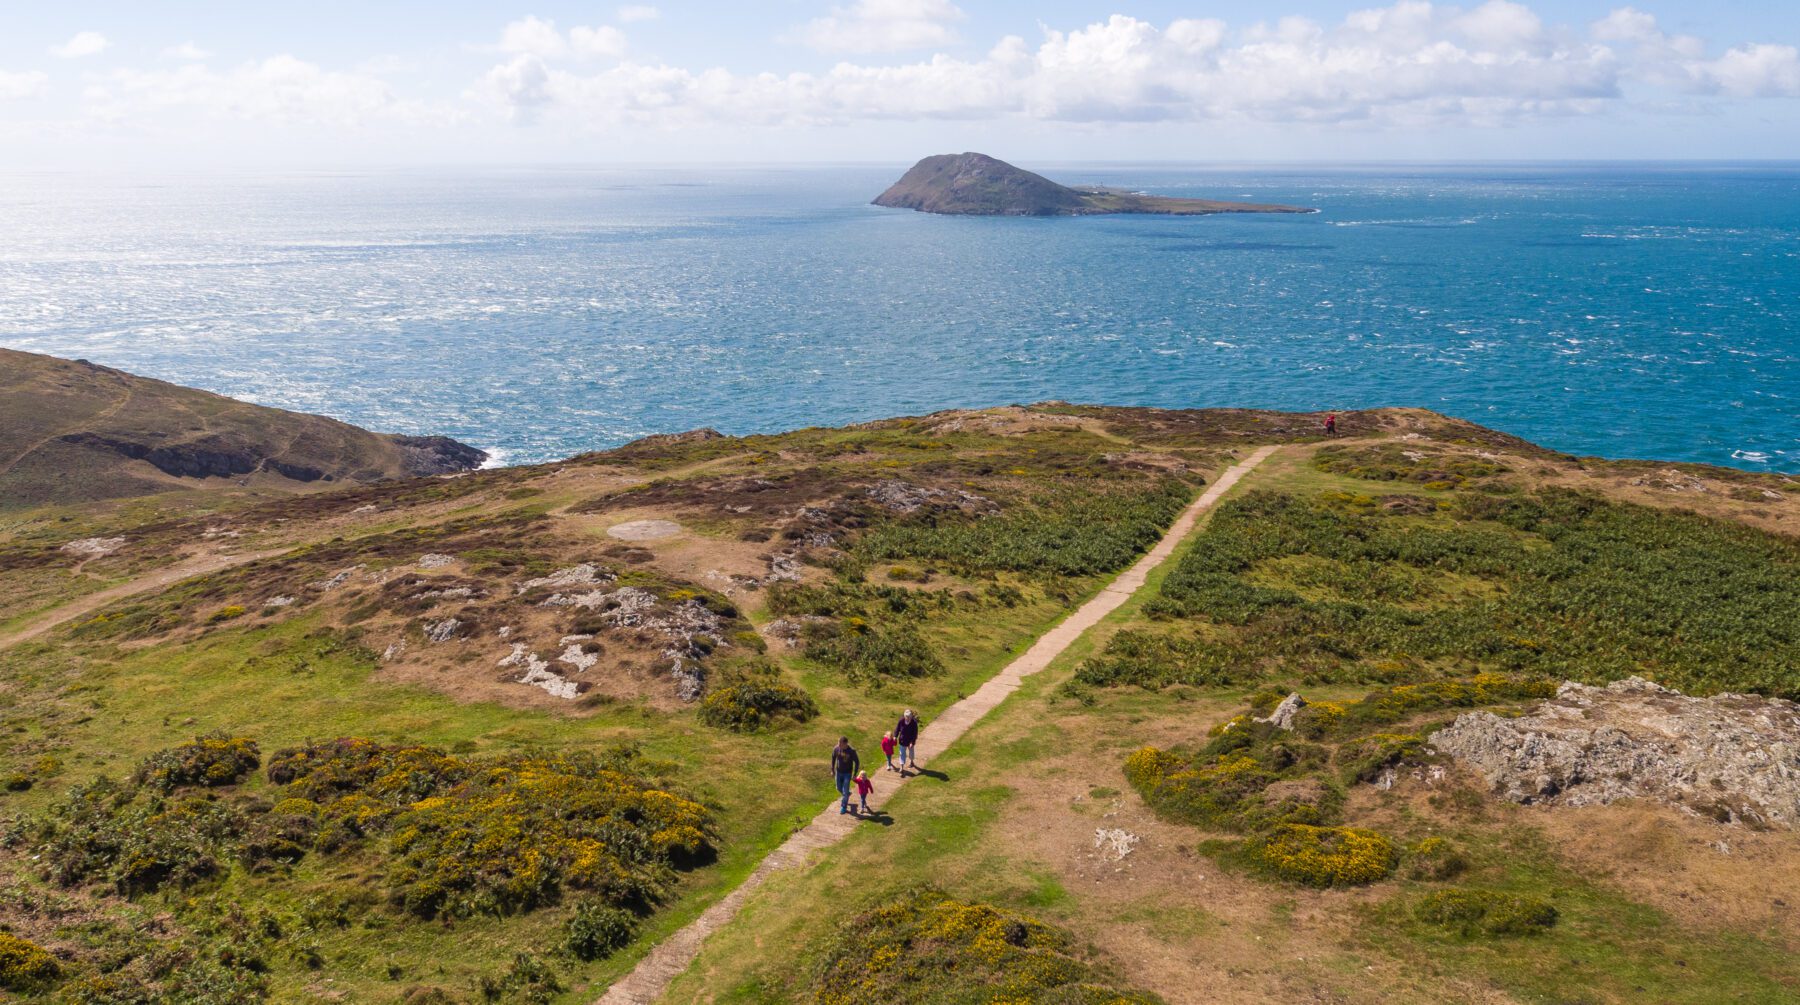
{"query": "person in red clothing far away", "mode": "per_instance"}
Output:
(906, 737)
(1330, 424)
(863, 788)
(887, 747)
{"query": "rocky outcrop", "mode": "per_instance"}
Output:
(1283, 715)
(1732, 757)
(905, 498)
(436, 455)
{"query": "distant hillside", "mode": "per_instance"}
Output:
(71, 431)
(972, 184)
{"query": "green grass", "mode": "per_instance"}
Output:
(1603, 946)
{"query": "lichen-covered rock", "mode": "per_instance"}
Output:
(904, 497)
(1283, 715)
(1732, 757)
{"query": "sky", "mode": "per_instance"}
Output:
(176, 83)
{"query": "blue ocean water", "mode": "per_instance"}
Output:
(1645, 311)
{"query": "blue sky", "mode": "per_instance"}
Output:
(332, 83)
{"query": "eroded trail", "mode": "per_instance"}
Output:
(645, 984)
(196, 566)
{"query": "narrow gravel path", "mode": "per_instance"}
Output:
(645, 984)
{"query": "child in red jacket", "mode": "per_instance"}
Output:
(887, 747)
(863, 788)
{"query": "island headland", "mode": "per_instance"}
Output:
(973, 184)
(73, 431)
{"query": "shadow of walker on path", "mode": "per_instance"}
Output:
(874, 816)
(927, 772)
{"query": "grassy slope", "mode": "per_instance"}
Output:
(1014, 824)
(101, 708)
(1048, 763)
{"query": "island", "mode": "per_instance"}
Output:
(972, 184)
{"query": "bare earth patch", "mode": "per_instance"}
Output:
(644, 530)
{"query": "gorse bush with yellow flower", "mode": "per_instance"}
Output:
(213, 759)
(25, 966)
(1322, 856)
(463, 836)
(1286, 789)
(502, 835)
(927, 948)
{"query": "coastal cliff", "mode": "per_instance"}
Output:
(73, 431)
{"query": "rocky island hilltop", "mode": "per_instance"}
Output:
(1379, 729)
(972, 184)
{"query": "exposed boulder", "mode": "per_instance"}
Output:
(904, 497)
(1732, 757)
(1283, 715)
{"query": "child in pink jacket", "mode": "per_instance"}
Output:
(863, 788)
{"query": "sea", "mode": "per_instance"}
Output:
(1643, 310)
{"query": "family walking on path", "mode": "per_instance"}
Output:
(847, 769)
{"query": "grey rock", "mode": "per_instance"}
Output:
(1732, 757)
(1283, 715)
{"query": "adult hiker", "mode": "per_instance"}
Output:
(906, 737)
(844, 766)
(1330, 425)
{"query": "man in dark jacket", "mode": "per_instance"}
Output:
(844, 766)
(906, 736)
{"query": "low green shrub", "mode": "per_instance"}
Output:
(1154, 660)
(754, 703)
(1063, 531)
(24, 966)
(868, 651)
(596, 931)
(135, 838)
(1394, 462)
(1552, 584)
(530, 980)
(1228, 789)
(1365, 758)
(1326, 719)
(211, 760)
(1486, 912)
(1434, 858)
(924, 947)
(1322, 856)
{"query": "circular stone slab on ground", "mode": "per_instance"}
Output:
(644, 530)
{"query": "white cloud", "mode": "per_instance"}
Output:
(280, 89)
(604, 42)
(27, 84)
(1752, 71)
(1413, 62)
(82, 43)
(186, 52)
(534, 36)
(632, 13)
(1756, 70)
(883, 26)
